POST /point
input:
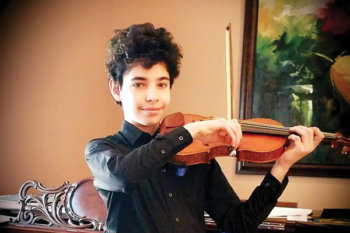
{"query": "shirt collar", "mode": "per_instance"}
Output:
(134, 135)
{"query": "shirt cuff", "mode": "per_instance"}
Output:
(273, 186)
(175, 141)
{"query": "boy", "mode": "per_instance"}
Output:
(133, 170)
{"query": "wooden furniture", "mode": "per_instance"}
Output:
(85, 201)
(22, 228)
(295, 227)
(72, 206)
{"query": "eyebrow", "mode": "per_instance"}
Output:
(140, 78)
(164, 78)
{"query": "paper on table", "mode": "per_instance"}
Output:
(296, 214)
(4, 218)
(10, 202)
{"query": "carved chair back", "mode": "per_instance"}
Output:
(77, 206)
(85, 201)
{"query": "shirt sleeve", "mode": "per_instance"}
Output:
(232, 215)
(113, 166)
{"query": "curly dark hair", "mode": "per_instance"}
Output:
(142, 44)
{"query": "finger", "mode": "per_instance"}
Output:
(237, 131)
(319, 136)
(223, 133)
(296, 139)
(226, 132)
(223, 130)
(225, 137)
(231, 132)
(300, 129)
(230, 129)
(239, 128)
(306, 134)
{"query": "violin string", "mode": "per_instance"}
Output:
(245, 122)
(273, 132)
(257, 127)
(330, 136)
(262, 128)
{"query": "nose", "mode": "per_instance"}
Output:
(152, 94)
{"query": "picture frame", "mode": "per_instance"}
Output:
(247, 109)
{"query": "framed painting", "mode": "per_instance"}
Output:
(296, 70)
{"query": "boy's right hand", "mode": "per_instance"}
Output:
(216, 131)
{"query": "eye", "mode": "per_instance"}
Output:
(137, 85)
(163, 84)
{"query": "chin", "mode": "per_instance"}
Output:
(154, 118)
(152, 122)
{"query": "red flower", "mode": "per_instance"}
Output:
(336, 16)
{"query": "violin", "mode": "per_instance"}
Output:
(264, 140)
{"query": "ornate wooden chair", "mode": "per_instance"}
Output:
(85, 201)
(75, 205)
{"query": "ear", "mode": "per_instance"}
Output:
(113, 87)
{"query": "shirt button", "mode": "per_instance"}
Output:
(170, 195)
(267, 184)
(177, 219)
(164, 170)
(162, 151)
(181, 138)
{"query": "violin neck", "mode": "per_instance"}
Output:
(254, 127)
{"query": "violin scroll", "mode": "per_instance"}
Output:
(341, 142)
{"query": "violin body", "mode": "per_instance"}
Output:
(261, 148)
(264, 140)
(197, 152)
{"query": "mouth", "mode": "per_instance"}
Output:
(151, 110)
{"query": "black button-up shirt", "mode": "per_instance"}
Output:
(145, 193)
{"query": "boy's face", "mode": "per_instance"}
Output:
(145, 95)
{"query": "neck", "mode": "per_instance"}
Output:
(147, 129)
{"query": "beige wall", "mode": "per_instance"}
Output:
(54, 96)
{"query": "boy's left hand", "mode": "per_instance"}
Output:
(301, 144)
